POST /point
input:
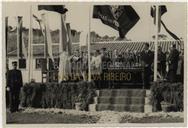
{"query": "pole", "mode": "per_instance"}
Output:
(89, 42)
(18, 46)
(6, 41)
(156, 43)
(30, 45)
(60, 37)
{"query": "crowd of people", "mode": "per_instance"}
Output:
(170, 67)
(170, 64)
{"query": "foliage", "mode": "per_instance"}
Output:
(167, 93)
(54, 95)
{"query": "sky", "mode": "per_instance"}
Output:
(79, 16)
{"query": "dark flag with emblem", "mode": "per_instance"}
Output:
(121, 18)
(56, 8)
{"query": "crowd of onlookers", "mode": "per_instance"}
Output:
(170, 64)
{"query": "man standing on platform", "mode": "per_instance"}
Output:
(147, 57)
(173, 63)
(14, 84)
(161, 62)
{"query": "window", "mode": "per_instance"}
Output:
(22, 63)
(41, 64)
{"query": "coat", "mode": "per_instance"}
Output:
(147, 58)
(173, 59)
(14, 80)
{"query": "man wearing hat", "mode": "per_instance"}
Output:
(14, 84)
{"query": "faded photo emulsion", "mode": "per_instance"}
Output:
(103, 64)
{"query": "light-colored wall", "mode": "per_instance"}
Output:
(36, 73)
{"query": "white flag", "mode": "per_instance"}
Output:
(48, 36)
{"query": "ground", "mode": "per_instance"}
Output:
(36, 116)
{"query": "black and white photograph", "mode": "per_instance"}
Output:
(94, 64)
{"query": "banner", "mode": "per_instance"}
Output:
(169, 32)
(48, 36)
(64, 35)
(121, 18)
(20, 39)
(39, 22)
(23, 46)
(69, 39)
(162, 10)
(19, 36)
(64, 63)
(56, 8)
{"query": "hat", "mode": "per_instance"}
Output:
(14, 62)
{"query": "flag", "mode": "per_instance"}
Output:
(64, 35)
(39, 22)
(64, 64)
(162, 10)
(19, 36)
(48, 36)
(169, 32)
(121, 18)
(56, 8)
(69, 39)
(83, 39)
(23, 47)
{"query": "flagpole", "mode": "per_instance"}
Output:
(156, 43)
(6, 41)
(45, 43)
(18, 48)
(30, 45)
(89, 42)
(60, 36)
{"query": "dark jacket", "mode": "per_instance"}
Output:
(147, 58)
(173, 59)
(14, 79)
(161, 61)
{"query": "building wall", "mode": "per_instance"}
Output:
(36, 73)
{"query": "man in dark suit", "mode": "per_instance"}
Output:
(147, 57)
(161, 62)
(173, 63)
(14, 84)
